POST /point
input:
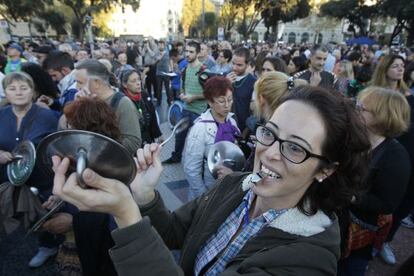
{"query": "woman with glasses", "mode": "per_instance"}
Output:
(214, 125)
(311, 157)
(386, 115)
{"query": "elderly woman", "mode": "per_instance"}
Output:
(279, 222)
(386, 115)
(20, 121)
(131, 86)
(214, 125)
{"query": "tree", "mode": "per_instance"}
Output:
(192, 9)
(356, 11)
(21, 10)
(251, 16)
(402, 11)
(210, 30)
(228, 14)
(51, 18)
(83, 8)
(283, 11)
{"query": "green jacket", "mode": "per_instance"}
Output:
(140, 250)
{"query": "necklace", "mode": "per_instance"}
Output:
(241, 82)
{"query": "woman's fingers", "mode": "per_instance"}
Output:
(141, 159)
(156, 152)
(94, 180)
(148, 155)
(60, 168)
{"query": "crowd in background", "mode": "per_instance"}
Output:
(115, 87)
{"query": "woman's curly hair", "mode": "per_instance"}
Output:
(346, 145)
(93, 115)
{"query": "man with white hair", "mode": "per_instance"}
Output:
(92, 80)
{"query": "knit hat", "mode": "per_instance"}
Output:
(16, 46)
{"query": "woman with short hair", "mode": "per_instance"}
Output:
(131, 86)
(214, 125)
(23, 120)
(386, 115)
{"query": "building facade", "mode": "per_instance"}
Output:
(312, 29)
(156, 18)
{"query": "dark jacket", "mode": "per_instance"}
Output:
(388, 177)
(328, 80)
(140, 250)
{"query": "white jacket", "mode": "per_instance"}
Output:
(198, 142)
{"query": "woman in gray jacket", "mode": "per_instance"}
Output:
(310, 156)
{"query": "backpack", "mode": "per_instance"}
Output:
(115, 100)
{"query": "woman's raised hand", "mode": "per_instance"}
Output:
(103, 195)
(5, 157)
(149, 170)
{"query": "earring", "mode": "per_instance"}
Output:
(320, 180)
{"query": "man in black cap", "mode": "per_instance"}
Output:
(42, 52)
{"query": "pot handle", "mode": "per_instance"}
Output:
(81, 163)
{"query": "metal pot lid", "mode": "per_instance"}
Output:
(21, 167)
(103, 154)
(227, 154)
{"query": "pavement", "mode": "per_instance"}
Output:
(15, 252)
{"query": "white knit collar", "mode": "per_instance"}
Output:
(293, 221)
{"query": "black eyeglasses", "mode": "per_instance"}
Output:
(292, 151)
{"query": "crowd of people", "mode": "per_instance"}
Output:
(326, 131)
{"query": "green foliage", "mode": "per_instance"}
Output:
(356, 11)
(25, 10)
(83, 8)
(192, 9)
(403, 12)
(54, 19)
(210, 27)
(283, 11)
(21, 10)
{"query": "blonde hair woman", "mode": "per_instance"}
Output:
(270, 88)
(344, 76)
(386, 115)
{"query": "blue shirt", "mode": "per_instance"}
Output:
(242, 95)
(176, 81)
(35, 125)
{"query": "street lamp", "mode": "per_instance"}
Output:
(203, 19)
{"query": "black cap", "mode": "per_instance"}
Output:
(44, 49)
